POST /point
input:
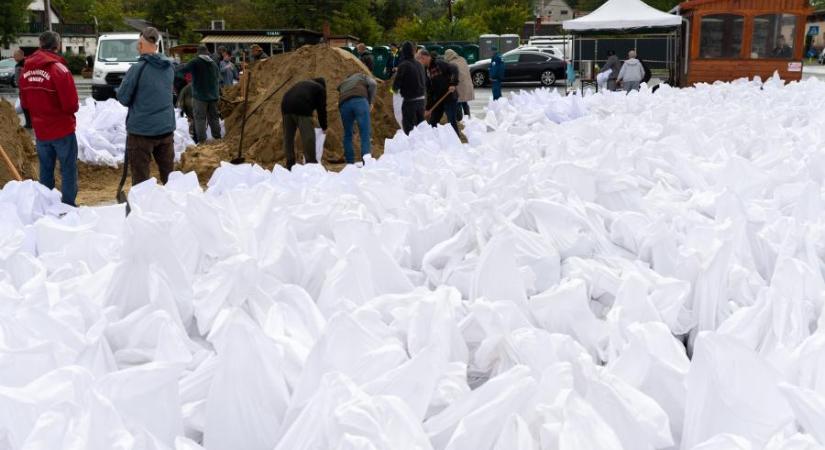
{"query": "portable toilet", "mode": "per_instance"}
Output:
(509, 42)
(470, 53)
(380, 56)
(485, 45)
(435, 50)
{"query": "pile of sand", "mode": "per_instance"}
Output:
(18, 145)
(263, 136)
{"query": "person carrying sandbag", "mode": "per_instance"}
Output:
(297, 107)
(356, 95)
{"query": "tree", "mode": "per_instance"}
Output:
(13, 19)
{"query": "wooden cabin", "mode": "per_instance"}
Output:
(730, 39)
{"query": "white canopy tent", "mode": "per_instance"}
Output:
(624, 20)
(622, 15)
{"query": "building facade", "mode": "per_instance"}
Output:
(76, 38)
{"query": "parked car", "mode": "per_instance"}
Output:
(7, 72)
(550, 50)
(522, 65)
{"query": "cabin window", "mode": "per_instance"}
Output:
(721, 36)
(773, 36)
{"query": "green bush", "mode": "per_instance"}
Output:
(75, 62)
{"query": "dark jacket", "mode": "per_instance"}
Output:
(648, 74)
(410, 78)
(304, 98)
(205, 78)
(440, 76)
(149, 98)
(613, 64)
(47, 90)
(392, 63)
(366, 58)
(357, 85)
(497, 68)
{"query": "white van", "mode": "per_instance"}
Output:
(116, 52)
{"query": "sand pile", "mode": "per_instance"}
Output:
(263, 136)
(17, 143)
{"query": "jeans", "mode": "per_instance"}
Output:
(206, 112)
(293, 122)
(412, 113)
(496, 89)
(141, 150)
(450, 107)
(65, 151)
(356, 110)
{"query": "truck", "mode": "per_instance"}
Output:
(116, 53)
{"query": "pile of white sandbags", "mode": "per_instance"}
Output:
(644, 276)
(101, 132)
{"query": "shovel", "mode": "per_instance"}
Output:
(429, 112)
(14, 173)
(240, 159)
(120, 195)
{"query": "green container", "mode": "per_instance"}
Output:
(435, 50)
(380, 56)
(470, 53)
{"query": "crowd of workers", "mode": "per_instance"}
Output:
(427, 87)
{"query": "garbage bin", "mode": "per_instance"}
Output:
(509, 42)
(470, 53)
(380, 56)
(485, 45)
(435, 50)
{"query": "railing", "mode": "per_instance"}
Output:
(65, 29)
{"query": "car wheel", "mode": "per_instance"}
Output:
(548, 78)
(479, 79)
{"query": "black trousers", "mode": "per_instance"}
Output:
(412, 113)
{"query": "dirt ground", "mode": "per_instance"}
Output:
(18, 145)
(263, 134)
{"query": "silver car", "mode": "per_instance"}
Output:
(7, 72)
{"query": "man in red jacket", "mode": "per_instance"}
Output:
(47, 90)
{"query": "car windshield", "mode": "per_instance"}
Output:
(118, 50)
(7, 63)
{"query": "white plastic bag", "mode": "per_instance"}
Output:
(320, 137)
(397, 103)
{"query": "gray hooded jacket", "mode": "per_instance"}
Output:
(632, 70)
(147, 91)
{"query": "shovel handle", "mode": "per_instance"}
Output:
(443, 97)
(10, 165)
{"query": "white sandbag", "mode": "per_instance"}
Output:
(655, 363)
(724, 441)
(488, 406)
(566, 309)
(809, 409)
(320, 137)
(731, 390)
(349, 418)
(397, 103)
(244, 414)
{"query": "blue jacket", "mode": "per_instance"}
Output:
(497, 68)
(149, 99)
